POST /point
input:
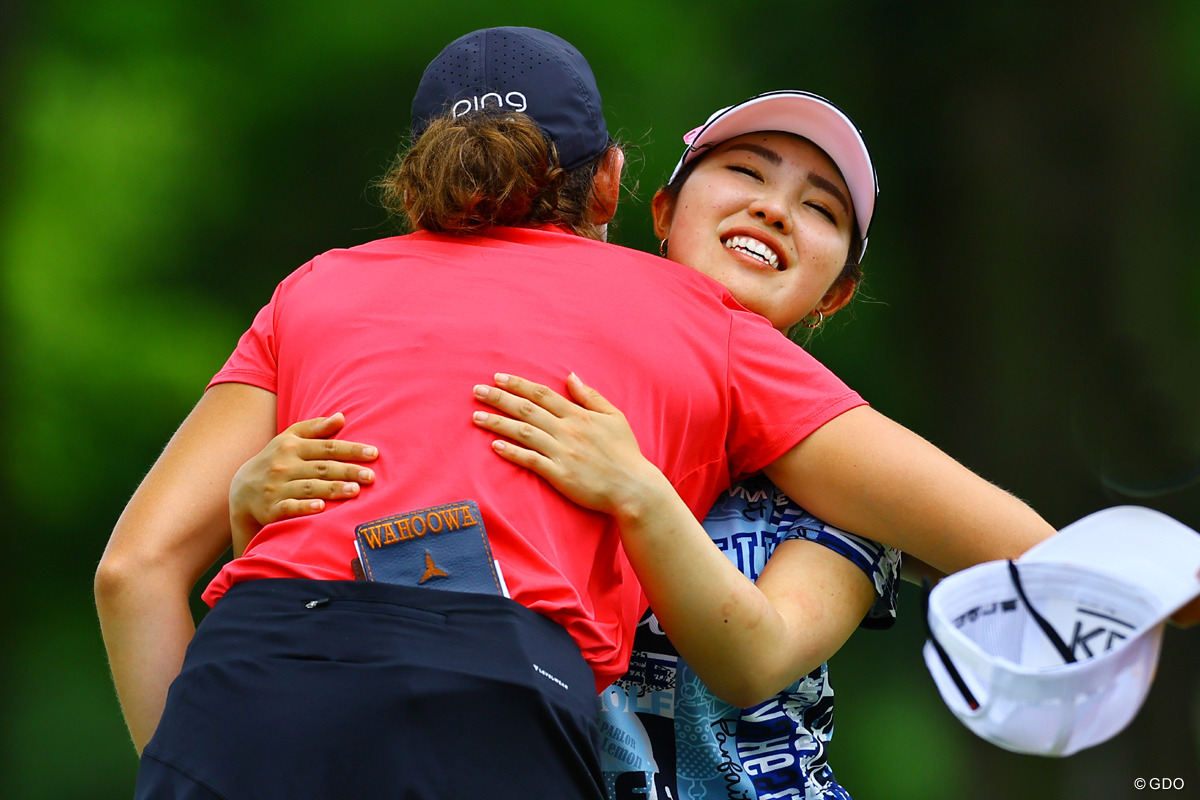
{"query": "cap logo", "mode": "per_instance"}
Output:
(517, 70)
(514, 101)
(1106, 638)
(972, 615)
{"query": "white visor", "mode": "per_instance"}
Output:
(1002, 636)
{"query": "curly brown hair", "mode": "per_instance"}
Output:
(465, 174)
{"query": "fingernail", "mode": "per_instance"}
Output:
(365, 475)
(481, 391)
(350, 488)
(501, 378)
(479, 416)
(370, 452)
(499, 445)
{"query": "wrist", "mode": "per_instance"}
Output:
(647, 494)
(243, 527)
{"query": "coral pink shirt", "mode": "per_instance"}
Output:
(395, 333)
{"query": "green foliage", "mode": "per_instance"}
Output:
(1034, 308)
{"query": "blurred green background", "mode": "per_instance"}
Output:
(1032, 303)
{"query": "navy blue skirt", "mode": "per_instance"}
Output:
(339, 689)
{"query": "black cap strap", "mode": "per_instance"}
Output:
(1067, 654)
(951, 670)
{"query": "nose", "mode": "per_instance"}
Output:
(770, 209)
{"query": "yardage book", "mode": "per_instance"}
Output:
(444, 547)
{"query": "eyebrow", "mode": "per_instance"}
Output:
(767, 153)
(831, 187)
(775, 159)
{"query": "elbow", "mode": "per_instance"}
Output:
(137, 565)
(744, 696)
(126, 573)
(749, 688)
(755, 678)
(115, 574)
(135, 588)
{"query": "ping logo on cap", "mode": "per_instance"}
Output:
(512, 101)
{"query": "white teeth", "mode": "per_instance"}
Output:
(755, 248)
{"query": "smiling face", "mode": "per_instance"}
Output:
(768, 216)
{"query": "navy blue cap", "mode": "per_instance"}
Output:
(518, 69)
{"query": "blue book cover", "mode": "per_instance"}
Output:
(444, 547)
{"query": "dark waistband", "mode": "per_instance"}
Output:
(301, 592)
(363, 621)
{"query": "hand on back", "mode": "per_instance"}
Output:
(583, 446)
(293, 476)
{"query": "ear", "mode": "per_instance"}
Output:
(606, 187)
(662, 209)
(837, 297)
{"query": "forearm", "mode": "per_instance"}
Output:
(142, 591)
(745, 640)
(746, 644)
(146, 625)
(864, 473)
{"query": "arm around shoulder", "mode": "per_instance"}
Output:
(864, 473)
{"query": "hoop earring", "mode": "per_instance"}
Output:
(813, 325)
(662, 248)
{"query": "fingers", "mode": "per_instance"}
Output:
(304, 497)
(311, 489)
(305, 466)
(317, 427)
(541, 419)
(533, 459)
(523, 457)
(588, 397)
(333, 450)
(291, 507)
(308, 440)
(296, 474)
(521, 398)
(525, 433)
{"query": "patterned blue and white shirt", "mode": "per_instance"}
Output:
(667, 737)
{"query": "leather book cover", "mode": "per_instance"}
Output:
(444, 547)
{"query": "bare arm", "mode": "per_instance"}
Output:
(864, 473)
(746, 641)
(911, 496)
(175, 526)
